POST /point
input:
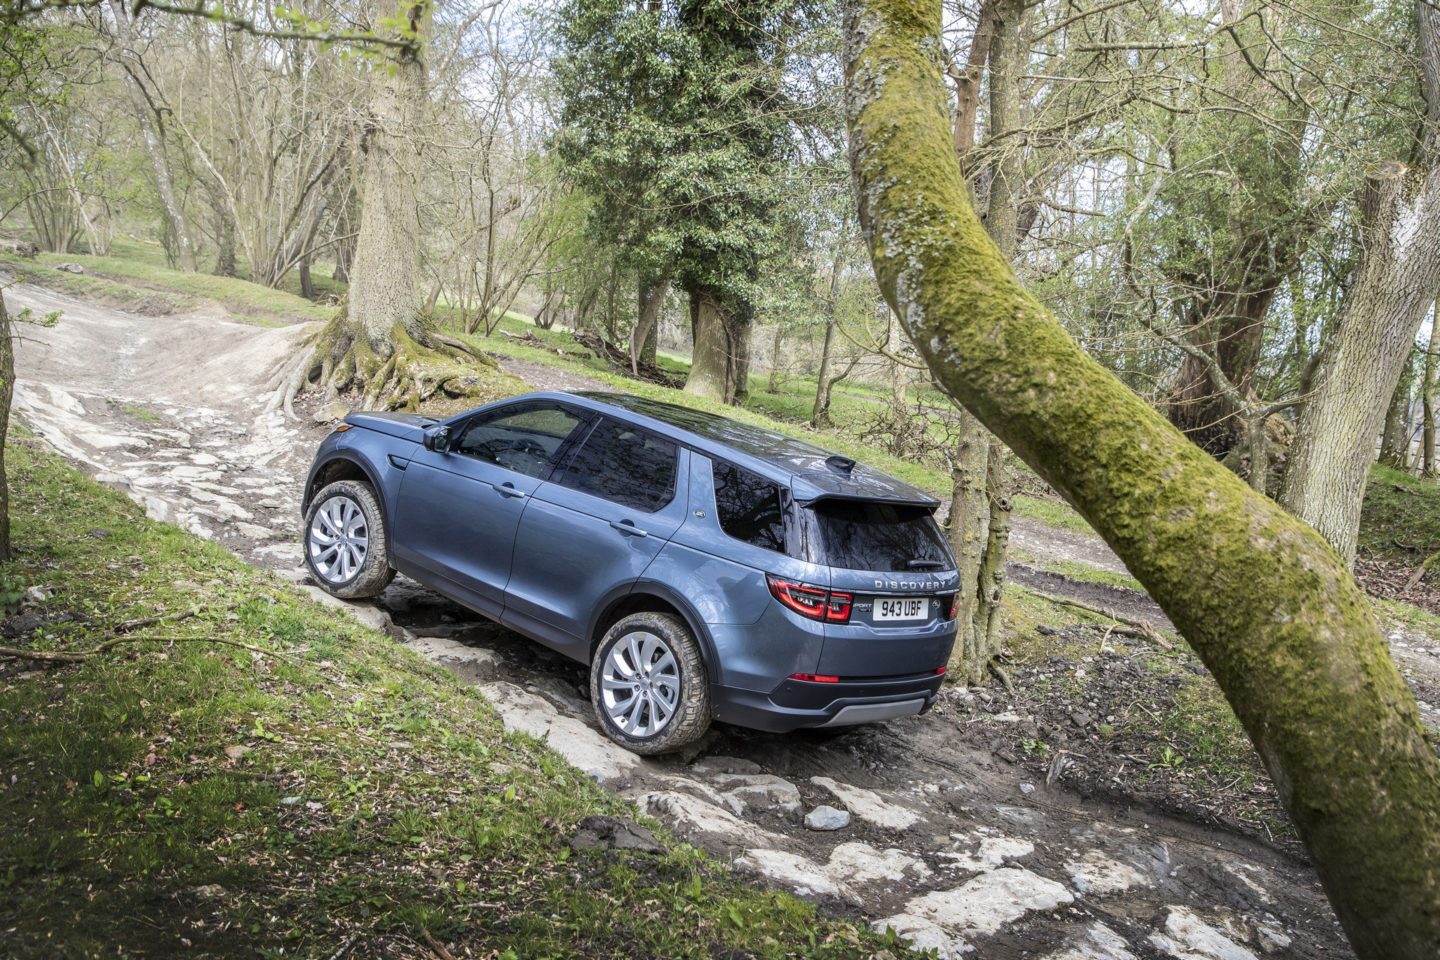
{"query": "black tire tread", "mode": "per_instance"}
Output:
(694, 713)
(375, 573)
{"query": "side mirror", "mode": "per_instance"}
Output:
(437, 439)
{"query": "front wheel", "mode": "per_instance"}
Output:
(345, 541)
(649, 685)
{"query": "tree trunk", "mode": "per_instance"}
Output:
(307, 284)
(1395, 434)
(1427, 396)
(152, 135)
(383, 292)
(1287, 633)
(7, 393)
(1399, 275)
(985, 621)
(820, 409)
(773, 385)
(647, 317)
(710, 359)
(967, 527)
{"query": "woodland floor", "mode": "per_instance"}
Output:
(1109, 805)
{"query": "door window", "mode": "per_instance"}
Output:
(625, 464)
(524, 438)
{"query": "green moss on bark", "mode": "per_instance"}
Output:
(1267, 604)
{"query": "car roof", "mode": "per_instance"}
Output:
(811, 472)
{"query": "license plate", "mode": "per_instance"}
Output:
(902, 608)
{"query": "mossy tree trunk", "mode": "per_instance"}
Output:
(1427, 395)
(1395, 436)
(7, 393)
(1291, 639)
(644, 334)
(714, 360)
(381, 345)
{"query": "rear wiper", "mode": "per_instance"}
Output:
(924, 565)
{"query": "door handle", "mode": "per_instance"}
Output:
(507, 489)
(628, 528)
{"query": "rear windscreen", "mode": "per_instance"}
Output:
(887, 537)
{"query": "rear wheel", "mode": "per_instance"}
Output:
(345, 541)
(649, 684)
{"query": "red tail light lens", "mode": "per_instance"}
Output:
(813, 603)
(815, 677)
(950, 602)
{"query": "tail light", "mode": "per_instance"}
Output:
(815, 677)
(950, 603)
(813, 603)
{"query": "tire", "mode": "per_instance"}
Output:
(651, 635)
(360, 566)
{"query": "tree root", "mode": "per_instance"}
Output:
(432, 370)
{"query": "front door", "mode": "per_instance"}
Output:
(594, 527)
(459, 508)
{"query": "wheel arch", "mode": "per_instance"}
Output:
(648, 596)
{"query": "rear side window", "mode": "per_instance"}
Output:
(884, 537)
(748, 507)
(624, 464)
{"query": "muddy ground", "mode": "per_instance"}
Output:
(954, 836)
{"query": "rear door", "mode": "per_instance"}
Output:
(893, 561)
(595, 526)
(459, 509)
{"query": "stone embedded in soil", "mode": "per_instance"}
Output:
(868, 806)
(1097, 874)
(691, 816)
(613, 833)
(1187, 937)
(991, 852)
(1099, 943)
(826, 817)
(585, 748)
(985, 903)
(723, 764)
(800, 874)
(922, 934)
(860, 863)
(758, 791)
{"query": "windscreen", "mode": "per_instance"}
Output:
(886, 537)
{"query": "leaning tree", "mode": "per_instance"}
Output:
(1291, 639)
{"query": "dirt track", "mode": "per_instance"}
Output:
(948, 843)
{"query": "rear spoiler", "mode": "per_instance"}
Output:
(860, 484)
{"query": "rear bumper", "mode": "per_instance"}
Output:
(796, 704)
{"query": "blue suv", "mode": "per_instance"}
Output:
(703, 568)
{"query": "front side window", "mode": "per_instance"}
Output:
(625, 464)
(524, 438)
(748, 507)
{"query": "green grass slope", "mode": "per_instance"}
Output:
(254, 774)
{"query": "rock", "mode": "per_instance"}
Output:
(235, 751)
(70, 267)
(984, 904)
(22, 624)
(1046, 631)
(1027, 788)
(1097, 874)
(37, 594)
(922, 934)
(990, 853)
(804, 876)
(868, 805)
(586, 748)
(762, 791)
(1099, 943)
(97, 533)
(209, 891)
(691, 816)
(331, 412)
(860, 863)
(613, 833)
(290, 801)
(826, 817)
(1188, 937)
(1080, 718)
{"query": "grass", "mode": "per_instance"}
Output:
(319, 789)
(1400, 520)
(136, 278)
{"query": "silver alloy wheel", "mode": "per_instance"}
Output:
(640, 684)
(339, 539)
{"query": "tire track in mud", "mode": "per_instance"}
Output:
(943, 842)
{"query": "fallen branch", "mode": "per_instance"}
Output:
(1420, 571)
(1140, 629)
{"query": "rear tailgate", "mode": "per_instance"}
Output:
(894, 563)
